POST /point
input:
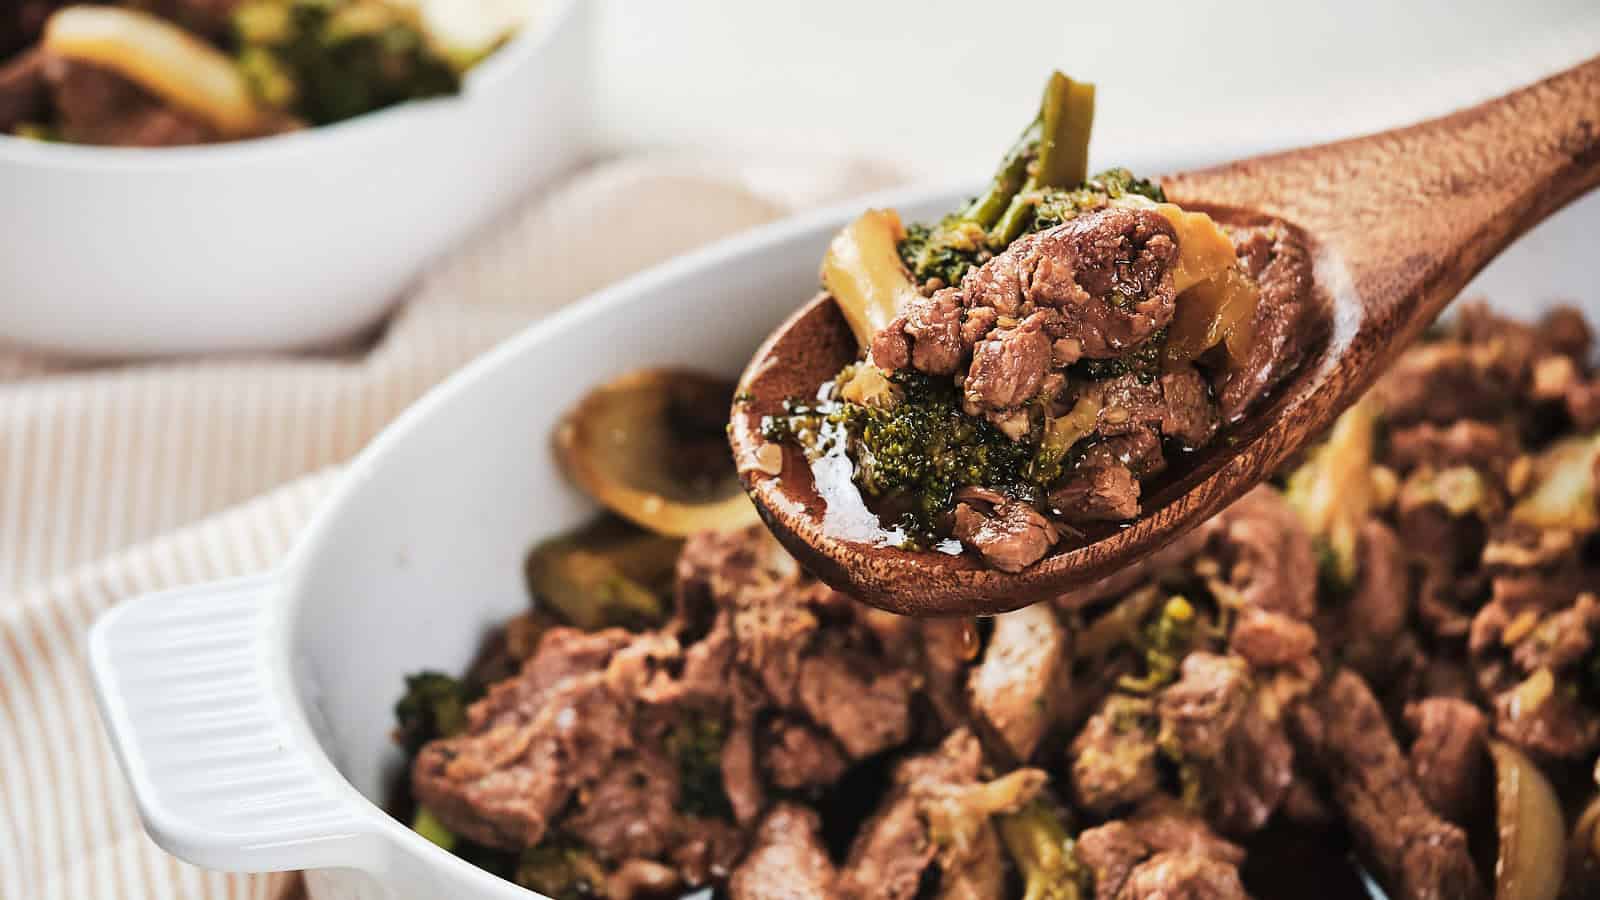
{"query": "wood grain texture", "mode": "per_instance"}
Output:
(1398, 222)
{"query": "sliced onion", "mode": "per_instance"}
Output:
(1532, 832)
(161, 58)
(625, 444)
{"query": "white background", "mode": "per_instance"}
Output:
(941, 86)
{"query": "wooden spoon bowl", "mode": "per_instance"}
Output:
(1397, 223)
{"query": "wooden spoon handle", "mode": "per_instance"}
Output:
(1414, 213)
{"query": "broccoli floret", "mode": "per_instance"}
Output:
(922, 448)
(327, 60)
(427, 825)
(944, 252)
(1040, 846)
(434, 706)
(695, 744)
(1057, 205)
(1166, 641)
(561, 869)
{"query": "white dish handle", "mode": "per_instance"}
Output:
(198, 721)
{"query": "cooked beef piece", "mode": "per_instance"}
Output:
(1379, 605)
(1192, 854)
(1182, 876)
(1138, 450)
(630, 811)
(24, 90)
(1189, 415)
(1096, 492)
(1445, 381)
(798, 756)
(1114, 758)
(96, 106)
(1414, 853)
(857, 697)
(1199, 711)
(1010, 534)
(1448, 757)
(1279, 262)
(1483, 446)
(1108, 273)
(1230, 738)
(530, 744)
(1009, 366)
(1266, 553)
(1528, 647)
(1024, 671)
(1178, 404)
(1267, 639)
(787, 860)
(934, 326)
(935, 793)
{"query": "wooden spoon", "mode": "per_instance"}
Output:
(1397, 222)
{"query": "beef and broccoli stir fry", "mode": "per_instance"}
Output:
(1384, 665)
(157, 73)
(1034, 358)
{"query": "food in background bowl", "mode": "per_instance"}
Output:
(174, 72)
(1291, 684)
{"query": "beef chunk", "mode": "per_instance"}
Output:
(1279, 262)
(1024, 670)
(1266, 639)
(1448, 757)
(631, 810)
(1443, 382)
(863, 702)
(1480, 445)
(1380, 603)
(799, 756)
(1414, 853)
(1266, 553)
(1008, 366)
(787, 861)
(24, 90)
(1190, 853)
(1183, 876)
(1108, 273)
(1528, 648)
(934, 326)
(96, 106)
(1114, 757)
(1010, 534)
(935, 793)
(1138, 450)
(1199, 710)
(1097, 492)
(1188, 412)
(1229, 737)
(1129, 403)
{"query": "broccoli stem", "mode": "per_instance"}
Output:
(434, 830)
(1036, 836)
(1066, 117)
(1008, 179)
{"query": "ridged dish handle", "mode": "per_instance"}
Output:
(188, 694)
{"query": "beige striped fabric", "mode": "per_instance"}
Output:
(115, 481)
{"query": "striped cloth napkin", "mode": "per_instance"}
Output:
(115, 481)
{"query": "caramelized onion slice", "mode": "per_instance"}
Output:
(863, 272)
(651, 447)
(161, 58)
(1532, 832)
(1567, 489)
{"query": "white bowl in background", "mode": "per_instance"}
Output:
(286, 242)
(253, 717)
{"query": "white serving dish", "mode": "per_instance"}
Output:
(286, 242)
(252, 717)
